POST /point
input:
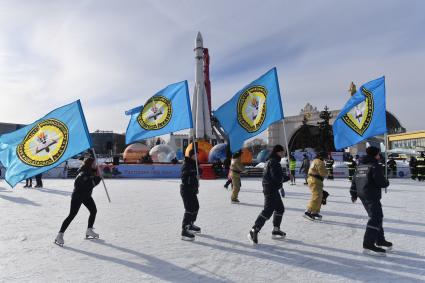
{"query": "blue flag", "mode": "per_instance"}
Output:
(251, 111)
(363, 116)
(165, 112)
(44, 144)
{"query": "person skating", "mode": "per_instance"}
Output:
(351, 167)
(28, 183)
(236, 168)
(273, 178)
(420, 167)
(367, 185)
(304, 168)
(189, 189)
(392, 167)
(413, 169)
(84, 183)
(292, 166)
(316, 174)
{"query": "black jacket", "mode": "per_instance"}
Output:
(352, 165)
(273, 175)
(368, 180)
(189, 177)
(84, 183)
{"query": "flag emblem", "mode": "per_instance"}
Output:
(360, 116)
(44, 144)
(156, 113)
(252, 108)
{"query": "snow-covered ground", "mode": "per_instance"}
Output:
(140, 238)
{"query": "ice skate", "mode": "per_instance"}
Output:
(373, 250)
(277, 234)
(235, 201)
(253, 236)
(317, 216)
(187, 235)
(194, 229)
(309, 216)
(59, 240)
(90, 234)
(388, 246)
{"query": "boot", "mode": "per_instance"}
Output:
(253, 235)
(385, 245)
(308, 216)
(91, 234)
(187, 235)
(316, 216)
(59, 239)
(194, 229)
(278, 234)
(373, 250)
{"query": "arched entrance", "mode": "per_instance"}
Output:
(307, 136)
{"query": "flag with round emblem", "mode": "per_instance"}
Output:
(251, 110)
(165, 112)
(44, 144)
(363, 116)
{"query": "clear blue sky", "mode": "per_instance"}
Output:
(113, 55)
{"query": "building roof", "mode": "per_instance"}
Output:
(407, 136)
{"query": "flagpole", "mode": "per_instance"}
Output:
(100, 174)
(196, 154)
(286, 143)
(386, 157)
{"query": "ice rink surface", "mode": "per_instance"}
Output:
(140, 236)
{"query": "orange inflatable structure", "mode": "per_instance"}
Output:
(134, 152)
(246, 156)
(203, 150)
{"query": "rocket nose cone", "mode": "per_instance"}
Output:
(199, 40)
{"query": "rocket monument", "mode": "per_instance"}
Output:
(200, 108)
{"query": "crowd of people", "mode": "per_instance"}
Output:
(366, 175)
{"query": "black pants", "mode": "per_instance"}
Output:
(39, 182)
(28, 182)
(413, 173)
(374, 231)
(351, 172)
(191, 207)
(75, 207)
(293, 176)
(421, 173)
(272, 204)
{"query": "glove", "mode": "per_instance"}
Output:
(353, 196)
(282, 192)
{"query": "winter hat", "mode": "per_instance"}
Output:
(372, 151)
(278, 148)
(322, 154)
